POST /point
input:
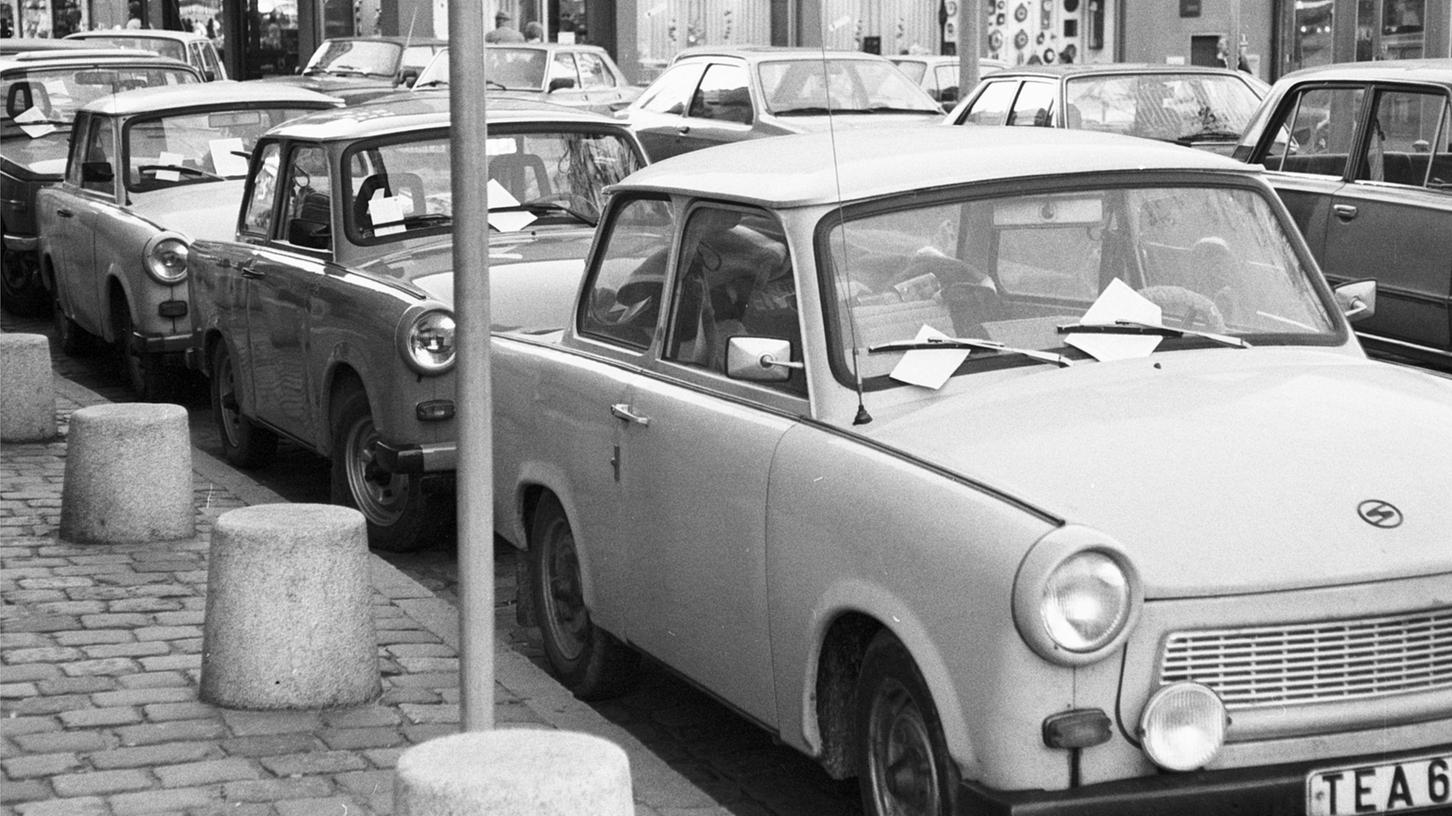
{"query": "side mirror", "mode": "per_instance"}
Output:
(561, 82)
(97, 172)
(759, 359)
(209, 75)
(1357, 299)
(308, 234)
(410, 76)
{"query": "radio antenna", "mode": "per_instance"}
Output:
(862, 417)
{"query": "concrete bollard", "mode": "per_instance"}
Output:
(27, 389)
(289, 620)
(128, 475)
(514, 772)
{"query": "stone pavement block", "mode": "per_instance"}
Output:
(93, 637)
(24, 672)
(167, 753)
(50, 705)
(53, 742)
(320, 762)
(40, 765)
(360, 717)
(269, 745)
(107, 665)
(177, 800)
(100, 783)
(353, 739)
(192, 710)
(15, 726)
(274, 790)
(250, 723)
(42, 654)
(153, 733)
(330, 806)
(28, 790)
(77, 685)
(97, 717)
(143, 696)
(160, 679)
(15, 691)
(193, 774)
(137, 649)
(79, 806)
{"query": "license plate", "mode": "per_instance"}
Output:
(1389, 787)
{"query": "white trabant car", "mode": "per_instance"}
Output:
(1031, 471)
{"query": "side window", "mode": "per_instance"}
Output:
(627, 278)
(1321, 123)
(77, 153)
(723, 95)
(563, 67)
(991, 106)
(99, 168)
(945, 83)
(734, 280)
(207, 59)
(1399, 141)
(593, 72)
(261, 193)
(307, 209)
(1439, 175)
(1034, 106)
(673, 90)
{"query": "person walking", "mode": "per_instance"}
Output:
(503, 32)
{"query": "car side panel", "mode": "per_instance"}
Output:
(280, 286)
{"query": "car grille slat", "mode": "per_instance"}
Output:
(1325, 661)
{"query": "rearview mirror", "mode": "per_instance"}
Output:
(410, 76)
(759, 359)
(1357, 299)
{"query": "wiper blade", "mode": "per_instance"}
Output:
(1209, 136)
(548, 206)
(1157, 329)
(178, 168)
(970, 343)
(893, 109)
(809, 111)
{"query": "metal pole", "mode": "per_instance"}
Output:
(475, 484)
(970, 44)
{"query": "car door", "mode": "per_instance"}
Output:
(696, 452)
(604, 90)
(991, 104)
(93, 204)
(564, 70)
(60, 228)
(1393, 220)
(659, 115)
(284, 273)
(721, 109)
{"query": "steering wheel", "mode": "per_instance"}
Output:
(1190, 307)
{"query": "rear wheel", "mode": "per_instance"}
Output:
(244, 443)
(393, 503)
(587, 659)
(902, 759)
(21, 289)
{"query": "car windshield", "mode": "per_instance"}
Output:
(400, 189)
(164, 46)
(196, 146)
(1165, 106)
(511, 68)
(1212, 264)
(810, 87)
(41, 104)
(355, 58)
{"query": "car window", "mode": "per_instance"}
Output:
(356, 58)
(945, 83)
(734, 279)
(723, 95)
(207, 58)
(914, 70)
(627, 279)
(671, 93)
(1405, 126)
(992, 105)
(811, 87)
(1322, 125)
(261, 193)
(593, 71)
(97, 173)
(1034, 106)
(417, 56)
(563, 67)
(192, 147)
(307, 209)
(1162, 105)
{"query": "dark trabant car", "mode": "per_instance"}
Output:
(575, 75)
(1362, 155)
(356, 69)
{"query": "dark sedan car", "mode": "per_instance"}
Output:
(1361, 153)
(711, 96)
(1186, 104)
(575, 75)
(356, 69)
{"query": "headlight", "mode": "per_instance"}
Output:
(167, 260)
(1085, 602)
(1076, 596)
(1183, 726)
(428, 344)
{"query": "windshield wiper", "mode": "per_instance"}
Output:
(346, 70)
(548, 206)
(1209, 135)
(970, 343)
(433, 83)
(807, 111)
(1159, 329)
(178, 168)
(895, 109)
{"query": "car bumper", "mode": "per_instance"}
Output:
(1276, 789)
(430, 458)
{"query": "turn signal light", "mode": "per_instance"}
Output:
(434, 410)
(1080, 728)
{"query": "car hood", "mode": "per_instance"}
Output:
(533, 277)
(850, 121)
(348, 88)
(1219, 471)
(205, 211)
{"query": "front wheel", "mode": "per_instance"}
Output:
(902, 759)
(393, 503)
(139, 372)
(587, 659)
(244, 443)
(21, 289)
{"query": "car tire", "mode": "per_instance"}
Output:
(244, 443)
(72, 340)
(590, 662)
(394, 504)
(21, 289)
(901, 756)
(145, 380)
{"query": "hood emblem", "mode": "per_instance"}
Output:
(1379, 513)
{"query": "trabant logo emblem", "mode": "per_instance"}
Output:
(1378, 513)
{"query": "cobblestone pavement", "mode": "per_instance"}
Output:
(100, 651)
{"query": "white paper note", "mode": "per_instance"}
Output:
(1118, 302)
(175, 159)
(224, 160)
(34, 131)
(512, 221)
(386, 213)
(929, 368)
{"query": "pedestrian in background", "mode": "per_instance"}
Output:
(503, 32)
(533, 32)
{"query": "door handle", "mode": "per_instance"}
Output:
(683, 129)
(621, 410)
(249, 273)
(65, 213)
(1345, 212)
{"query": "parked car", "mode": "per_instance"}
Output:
(329, 320)
(1005, 470)
(1362, 155)
(938, 74)
(357, 69)
(10, 46)
(711, 96)
(42, 92)
(149, 172)
(575, 75)
(1185, 104)
(196, 50)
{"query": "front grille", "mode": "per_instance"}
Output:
(1326, 661)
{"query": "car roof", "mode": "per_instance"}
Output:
(1082, 68)
(399, 114)
(138, 34)
(17, 45)
(224, 92)
(1435, 70)
(765, 53)
(395, 40)
(81, 58)
(851, 165)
